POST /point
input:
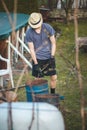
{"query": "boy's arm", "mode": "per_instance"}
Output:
(33, 55)
(53, 42)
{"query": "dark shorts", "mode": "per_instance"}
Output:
(47, 68)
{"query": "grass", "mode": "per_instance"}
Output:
(67, 77)
(67, 82)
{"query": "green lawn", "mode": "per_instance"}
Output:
(67, 75)
(67, 82)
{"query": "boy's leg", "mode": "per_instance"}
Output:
(53, 80)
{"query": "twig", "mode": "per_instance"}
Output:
(7, 11)
(20, 78)
(71, 66)
(67, 60)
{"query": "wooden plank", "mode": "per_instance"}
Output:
(12, 89)
(82, 41)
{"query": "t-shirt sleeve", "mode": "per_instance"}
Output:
(50, 29)
(28, 37)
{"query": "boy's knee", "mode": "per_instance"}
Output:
(54, 78)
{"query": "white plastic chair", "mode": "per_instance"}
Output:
(6, 71)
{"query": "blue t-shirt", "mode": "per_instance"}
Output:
(41, 41)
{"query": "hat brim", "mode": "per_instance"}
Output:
(36, 25)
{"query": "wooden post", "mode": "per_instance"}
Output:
(82, 100)
(3, 52)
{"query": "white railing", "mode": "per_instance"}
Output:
(19, 40)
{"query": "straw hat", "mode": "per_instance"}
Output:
(35, 20)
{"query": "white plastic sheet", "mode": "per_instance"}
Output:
(36, 116)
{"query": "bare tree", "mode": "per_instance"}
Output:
(67, 5)
(52, 4)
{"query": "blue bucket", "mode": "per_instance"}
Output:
(37, 86)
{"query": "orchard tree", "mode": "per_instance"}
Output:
(33, 5)
(67, 5)
(52, 4)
